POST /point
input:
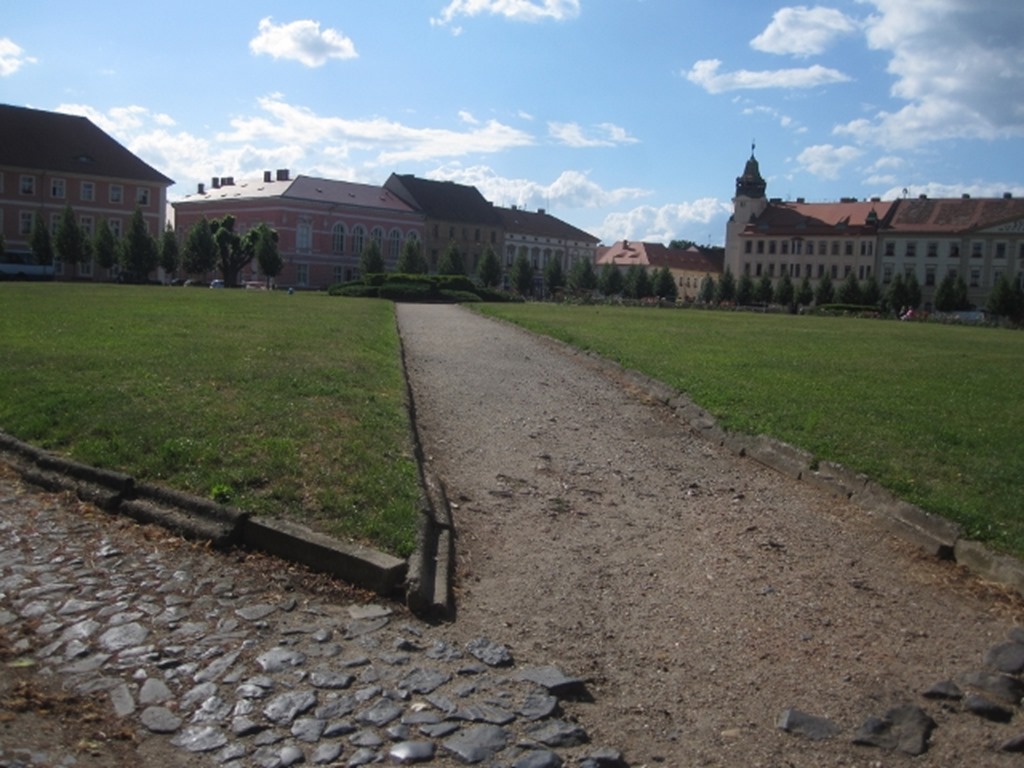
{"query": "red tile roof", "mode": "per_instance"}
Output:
(625, 253)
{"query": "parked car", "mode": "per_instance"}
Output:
(217, 284)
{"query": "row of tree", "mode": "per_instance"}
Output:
(209, 246)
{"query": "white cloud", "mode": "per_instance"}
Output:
(393, 142)
(301, 41)
(826, 160)
(662, 224)
(606, 135)
(515, 10)
(12, 57)
(783, 119)
(705, 73)
(958, 66)
(572, 189)
(802, 31)
(935, 189)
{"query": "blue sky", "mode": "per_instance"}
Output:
(627, 118)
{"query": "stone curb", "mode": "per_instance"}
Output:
(934, 535)
(196, 518)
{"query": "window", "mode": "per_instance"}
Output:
(929, 275)
(304, 236)
(748, 246)
(58, 188)
(476, 236)
(338, 239)
(911, 249)
(86, 225)
(378, 237)
(848, 247)
(810, 247)
(977, 249)
(784, 247)
(954, 251)
(394, 243)
(757, 270)
(835, 271)
(932, 250)
(798, 247)
(846, 270)
(339, 273)
(142, 197)
(975, 278)
(358, 239)
(1000, 251)
(25, 223)
(88, 191)
(27, 185)
(887, 273)
(116, 193)
(835, 247)
(822, 248)
(771, 247)
(115, 227)
(303, 274)
(760, 246)
(890, 248)
(771, 269)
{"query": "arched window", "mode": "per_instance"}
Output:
(394, 243)
(358, 239)
(378, 237)
(338, 239)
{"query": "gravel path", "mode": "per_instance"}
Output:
(699, 593)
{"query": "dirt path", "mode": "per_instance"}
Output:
(700, 594)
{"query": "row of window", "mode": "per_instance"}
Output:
(974, 277)
(809, 271)
(1000, 249)
(800, 247)
(87, 224)
(356, 240)
(465, 234)
(27, 187)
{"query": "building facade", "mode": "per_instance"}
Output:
(454, 214)
(978, 239)
(49, 161)
(688, 266)
(323, 225)
(543, 238)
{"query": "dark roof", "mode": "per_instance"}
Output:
(59, 143)
(444, 200)
(541, 224)
(955, 215)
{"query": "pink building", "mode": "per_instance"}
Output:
(50, 160)
(322, 225)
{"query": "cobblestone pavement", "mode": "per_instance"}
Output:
(123, 645)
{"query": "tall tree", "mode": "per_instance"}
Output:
(582, 278)
(521, 275)
(200, 253)
(104, 245)
(69, 243)
(804, 294)
(231, 256)
(169, 252)
(371, 260)
(489, 269)
(962, 302)
(784, 291)
(610, 282)
(849, 290)
(1006, 299)
(745, 289)
(451, 261)
(261, 241)
(637, 283)
(40, 242)
(664, 285)
(870, 292)
(726, 288)
(411, 261)
(554, 276)
(896, 295)
(913, 291)
(138, 252)
(825, 292)
(945, 294)
(765, 292)
(707, 290)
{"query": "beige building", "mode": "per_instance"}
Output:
(688, 266)
(979, 239)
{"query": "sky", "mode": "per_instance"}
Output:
(626, 118)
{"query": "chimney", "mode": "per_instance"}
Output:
(201, 189)
(541, 211)
(965, 196)
(215, 183)
(267, 176)
(282, 174)
(1007, 195)
(227, 181)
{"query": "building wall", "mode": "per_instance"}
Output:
(471, 240)
(320, 243)
(25, 192)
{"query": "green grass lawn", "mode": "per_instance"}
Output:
(933, 412)
(291, 406)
